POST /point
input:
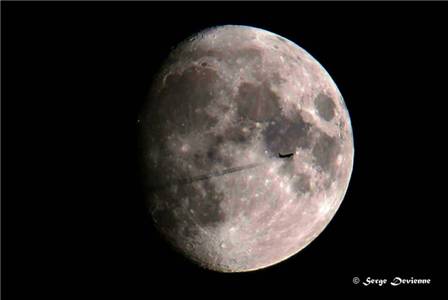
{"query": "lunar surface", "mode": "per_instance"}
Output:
(247, 148)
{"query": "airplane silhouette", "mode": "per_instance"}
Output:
(285, 155)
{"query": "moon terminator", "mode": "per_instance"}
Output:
(225, 107)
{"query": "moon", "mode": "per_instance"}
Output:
(247, 148)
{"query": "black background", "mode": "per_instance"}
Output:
(73, 78)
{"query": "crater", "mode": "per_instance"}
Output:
(325, 106)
